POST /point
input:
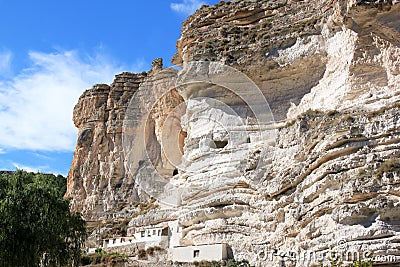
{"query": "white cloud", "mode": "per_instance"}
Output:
(2, 151)
(36, 106)
(37, 169)
(41, 156)
(29, 168)
(5, 63)
(187, 7)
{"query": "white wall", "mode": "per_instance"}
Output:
(175, 234)
(214, 252)
(150, 235)
(118, 241)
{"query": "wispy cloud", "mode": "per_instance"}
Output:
(5, 63)
(187, 7)
(41, 156)
(2, 151)
(30, 168)
(36, 106)
(40, 169)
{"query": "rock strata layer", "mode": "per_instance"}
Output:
(97, 179)
(319, 172)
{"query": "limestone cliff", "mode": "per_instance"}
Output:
(305, 159)
(96, 180)
(285, 46)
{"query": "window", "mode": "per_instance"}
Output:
(154, 231)
(196, 253)
(142, 234)
(159, 232)
(164, 231)
(220, 144)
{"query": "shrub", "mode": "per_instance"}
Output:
(390, 165)
(150, 251)
(338, 263)
(207, 264)
(142, 254)
(234, 263)
(102, 257)
(362, 264)
(99, 251)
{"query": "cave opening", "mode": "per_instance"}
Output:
(220, 144)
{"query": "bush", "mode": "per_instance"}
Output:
(102, 257)
(99, 251)
(233, 263)
(362, 264)
(142, 254)
(150, 251)
(206, 264)
(338, 263)
(86, 260)
(390, 165)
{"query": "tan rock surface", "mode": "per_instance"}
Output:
(96, 181)
(325, 176)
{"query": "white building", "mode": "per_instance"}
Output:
(175, 234)
(168, 235)
(152, 236)
(118, 241)
(213, 252)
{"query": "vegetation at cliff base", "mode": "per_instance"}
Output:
(36, 225)
(103, 257)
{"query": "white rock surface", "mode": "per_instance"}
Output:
(325, 177)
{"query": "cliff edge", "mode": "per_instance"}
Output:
(280, 133)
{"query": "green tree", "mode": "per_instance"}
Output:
(36, 225)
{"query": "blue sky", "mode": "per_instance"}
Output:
(51, 51)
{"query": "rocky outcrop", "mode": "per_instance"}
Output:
(248, 35)
(284, 46)
(97, 179)
(301, 163)
(109, 158)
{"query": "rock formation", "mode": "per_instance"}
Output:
(313, 170)
(97, 180)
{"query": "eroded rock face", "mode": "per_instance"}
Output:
(96, 180)
(287, 47)
(325, 174)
